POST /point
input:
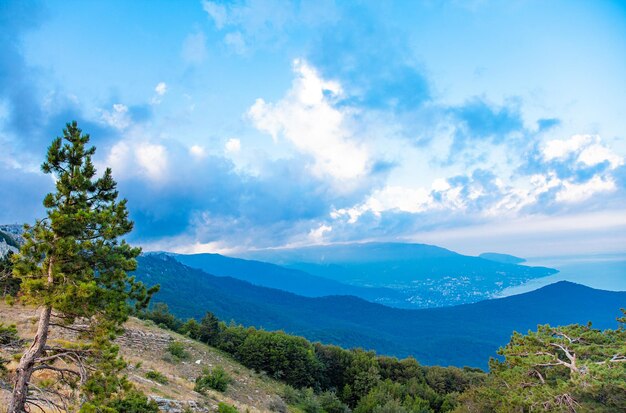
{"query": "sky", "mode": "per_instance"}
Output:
(229, 126)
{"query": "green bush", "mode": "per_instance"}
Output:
(177, 349)
(226, 408)
(217, 379)
(156, 376)
(134, 402)
(8, 335)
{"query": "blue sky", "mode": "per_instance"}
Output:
(474, 125)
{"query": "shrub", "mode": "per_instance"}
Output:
(278, 405)
(134, 402)
(226, 408)
(330, 403)
(8, 335)
(156, 376)
(177, 349)
(217, 379)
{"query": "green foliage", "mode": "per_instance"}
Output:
(8, 338)
(226, 408)
(75, 263)
(331, 379)
(209, 329)
(216, 379)
(157, 377)
(570, 368)
(73, 260)
(160, 314)
(8, 335)
(9, 285)
(282, 356)
(330, 403)
(131, 402)
(389, 396)
(191, 329)
(177, 349)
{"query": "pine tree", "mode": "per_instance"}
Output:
(74, 266)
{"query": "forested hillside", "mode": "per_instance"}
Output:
(462, 335)
(295, 281)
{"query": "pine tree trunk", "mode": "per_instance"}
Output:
(25, 369)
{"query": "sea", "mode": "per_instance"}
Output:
(603, 272)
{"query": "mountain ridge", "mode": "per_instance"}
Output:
(432, 335)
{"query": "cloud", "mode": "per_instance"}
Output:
(308, 118)
(21, 194)
(217, 12)
(145, 159)
(161, 88)
(198, 152)
(316, 235)
(576, 192)
(266, 24)
(233, 145)
(118, 117)
(194, 50)
(19, 85)
(373, 59)
(586, 150)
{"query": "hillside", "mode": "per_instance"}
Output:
(295, 281)
(144, 347)
(433, 336)
(428, 275)
(10, 239)
(503, 258)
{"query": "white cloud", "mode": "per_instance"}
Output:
(576, 192)
(161, 88)
(194, 49)
(308, 119)
(120, 158)
(143, 159)
(389, 198)
(588, 150)
(316, 235)
(118, 117)
(152, 159)
(197, 152)
(233, 145)
(217, 12)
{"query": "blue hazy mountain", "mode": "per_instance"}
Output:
(430, 276)
(502, 258)
(460, 335)
(295, 281)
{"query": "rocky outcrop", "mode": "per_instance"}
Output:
(178, 406)
(10, 239)
(141, 339)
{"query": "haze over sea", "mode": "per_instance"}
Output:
(601, 271)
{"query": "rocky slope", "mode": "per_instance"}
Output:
(10, 239)
(144, 347)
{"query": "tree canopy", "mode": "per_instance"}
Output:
(74, 265)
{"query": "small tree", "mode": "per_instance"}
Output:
(74, 266)
(209, 329)
(570, 368)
